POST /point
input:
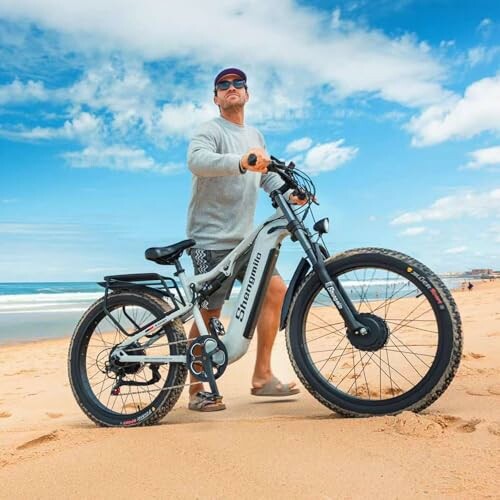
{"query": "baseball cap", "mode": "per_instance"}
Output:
(230, 71)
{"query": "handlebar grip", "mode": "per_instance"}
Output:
(252, 159)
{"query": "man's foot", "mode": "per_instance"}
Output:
(204, 401)
(275, 388)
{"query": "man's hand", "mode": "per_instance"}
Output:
(295, 200)
(262, 160)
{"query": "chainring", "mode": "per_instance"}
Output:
(206, 346)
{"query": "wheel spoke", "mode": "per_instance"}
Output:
(101, 374)
(388, 297)
(328, 359)
(403, 344)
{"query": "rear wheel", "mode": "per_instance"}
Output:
(149, 390)
(413, 347)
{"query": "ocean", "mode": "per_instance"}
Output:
(32, 311)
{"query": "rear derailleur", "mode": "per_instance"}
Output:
(122, 369)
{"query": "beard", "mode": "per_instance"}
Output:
(233, 105)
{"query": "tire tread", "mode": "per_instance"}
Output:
(180, 374)
(457, 340)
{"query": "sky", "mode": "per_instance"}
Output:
(392, 106)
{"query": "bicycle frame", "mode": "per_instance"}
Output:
(265, 241)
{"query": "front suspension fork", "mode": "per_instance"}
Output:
(339, 297)
(333, 287)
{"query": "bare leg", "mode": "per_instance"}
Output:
(194, 332)
(267, 328)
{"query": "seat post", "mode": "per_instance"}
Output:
(181, 275)
(178, 266)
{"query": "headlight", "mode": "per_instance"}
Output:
(322, 226)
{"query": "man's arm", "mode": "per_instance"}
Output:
(203, 159)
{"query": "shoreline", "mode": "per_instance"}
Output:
(478, 285)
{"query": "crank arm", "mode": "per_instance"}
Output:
(207, 366)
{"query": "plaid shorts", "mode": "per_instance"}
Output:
(206, 260)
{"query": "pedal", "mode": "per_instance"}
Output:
(216, 327)
(216, 398)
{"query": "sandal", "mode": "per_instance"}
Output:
(275, 388)
(205, 401)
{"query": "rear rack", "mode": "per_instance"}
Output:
(148, 282)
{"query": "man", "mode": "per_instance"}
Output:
(221, 213)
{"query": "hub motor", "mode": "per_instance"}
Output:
(377, 336)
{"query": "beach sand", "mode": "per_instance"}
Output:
(257, 447)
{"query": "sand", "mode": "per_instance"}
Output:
(257, 448)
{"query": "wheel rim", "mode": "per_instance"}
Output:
(386, 374)
(100, 339)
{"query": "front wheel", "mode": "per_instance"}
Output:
(413, 347)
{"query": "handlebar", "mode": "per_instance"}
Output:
(252, 159)
(285, 172)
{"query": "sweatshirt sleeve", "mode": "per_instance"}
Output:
(203, 159)
(271, 181)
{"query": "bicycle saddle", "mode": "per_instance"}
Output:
(168, 255)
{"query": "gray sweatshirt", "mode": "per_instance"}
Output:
(223, 200)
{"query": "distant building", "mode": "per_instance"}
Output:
(482, 272)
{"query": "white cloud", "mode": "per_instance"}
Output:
(335, 22)
(183, 119)
(485, 25)
(121, 88)
(279, 37)
(481, 54)
(471, 204)
(17, 91)
(455, 250)
(83, 126)
(118, 157)
(328, 156)
(477, 111)
(485, 157)
(446, 44)
(413, 231)
(299, 145)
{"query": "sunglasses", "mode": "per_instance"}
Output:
(225, 84)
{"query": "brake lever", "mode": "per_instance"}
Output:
(276, 160)
(281, 168)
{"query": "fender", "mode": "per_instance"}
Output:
(297, 278)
